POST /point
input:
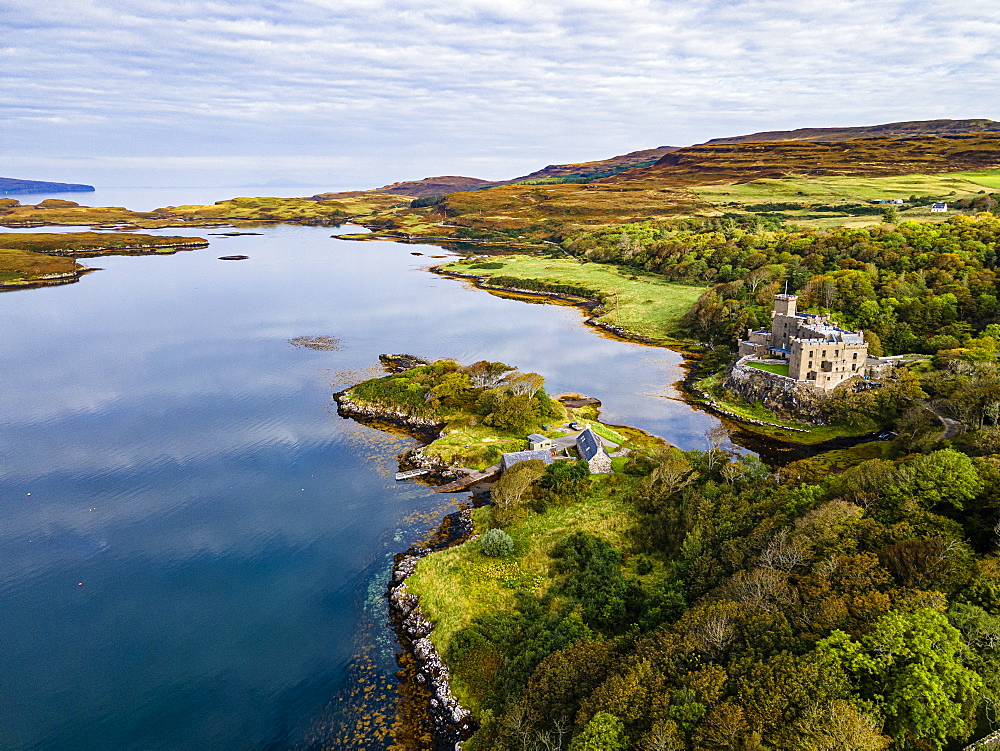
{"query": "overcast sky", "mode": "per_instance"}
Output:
(357, 93)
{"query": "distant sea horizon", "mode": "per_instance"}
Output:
(149, 198)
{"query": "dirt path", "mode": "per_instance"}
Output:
(952, 427)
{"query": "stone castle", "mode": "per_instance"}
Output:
(817, 352)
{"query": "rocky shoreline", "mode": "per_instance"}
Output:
(594, 308)
(450, 722)
(126, 249)
(47, 280)
(423, 427)
(426, 680)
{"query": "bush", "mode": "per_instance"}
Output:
(497, 544)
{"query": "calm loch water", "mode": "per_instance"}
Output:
(190, 537)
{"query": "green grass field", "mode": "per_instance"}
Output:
(770, 367)
(989, 178)
(643, 304)
(819, 190)
(460, 583)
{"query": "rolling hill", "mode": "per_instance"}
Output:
(905, 129)
(871, 157)
(13, 186)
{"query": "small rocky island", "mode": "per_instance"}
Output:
(480, 418)
(35, 259)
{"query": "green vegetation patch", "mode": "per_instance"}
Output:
(987, 178)
(770, 367)
(817, 468)
(19, 267)
(698, 598)
(487, 408)
(638, 302)
(459, 584)
(832, 189)
(88, 242)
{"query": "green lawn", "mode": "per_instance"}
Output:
(770, 367)
(641, 303)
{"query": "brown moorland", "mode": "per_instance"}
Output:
(328, 209)
(49, 258)
(667, 188)
(94, 243)
(21, 268)
(904, 129)
(870, 157)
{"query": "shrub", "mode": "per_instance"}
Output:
(497, 544)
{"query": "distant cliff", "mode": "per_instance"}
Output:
(11, 186)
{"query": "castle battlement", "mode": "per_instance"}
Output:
(818, 352)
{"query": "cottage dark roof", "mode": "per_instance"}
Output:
(536, 437)
(588, 444)
(509, 460)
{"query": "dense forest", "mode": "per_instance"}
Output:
(911, 287)
(748, 609)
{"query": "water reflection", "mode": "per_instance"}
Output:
(188, 533)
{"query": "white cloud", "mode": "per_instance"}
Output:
(401, 88)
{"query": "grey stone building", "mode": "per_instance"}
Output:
(508, 460)
(592, 451)
(817, 352)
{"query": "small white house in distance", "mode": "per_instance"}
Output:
(939, 208)
(896, 201)
(537, 441)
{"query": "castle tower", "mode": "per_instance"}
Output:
(784, 305)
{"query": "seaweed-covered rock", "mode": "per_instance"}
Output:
(399, 363)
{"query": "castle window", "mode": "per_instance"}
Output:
(855, 355)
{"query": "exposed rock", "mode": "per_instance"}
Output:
(451, 722)
(786, 397)
(577, 400)
(400, 363)
(422, 426)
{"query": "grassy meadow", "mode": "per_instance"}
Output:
(830, 189)
(641, 303)
(461, 583)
